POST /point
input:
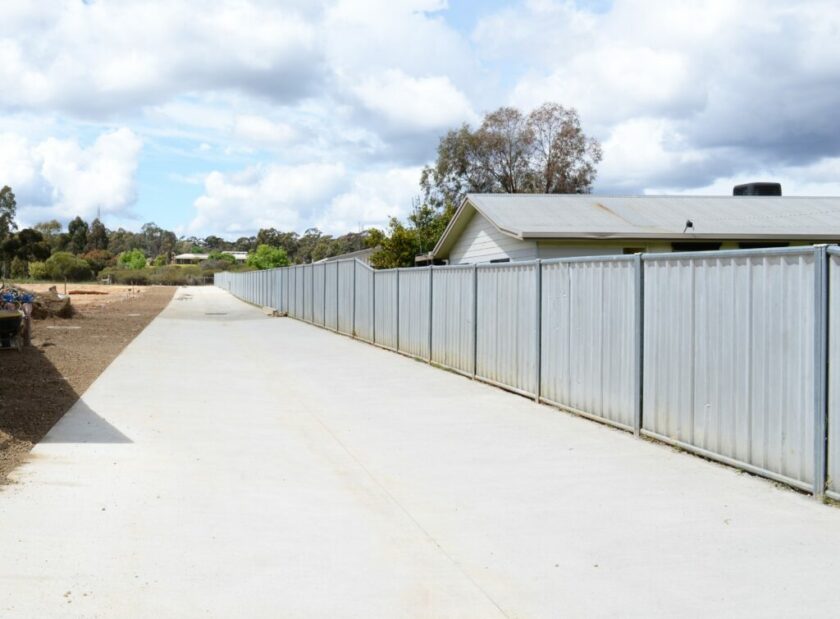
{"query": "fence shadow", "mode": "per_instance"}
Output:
(82, 425)
(35, 398)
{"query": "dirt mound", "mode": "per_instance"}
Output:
(48, 304)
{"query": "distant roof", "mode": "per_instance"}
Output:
(239, 255)
(361, 253)
(587, 216)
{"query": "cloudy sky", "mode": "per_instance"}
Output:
(223, 117)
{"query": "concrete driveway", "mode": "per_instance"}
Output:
(228, 464)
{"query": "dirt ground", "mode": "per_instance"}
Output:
(40, 384)
(83, 295)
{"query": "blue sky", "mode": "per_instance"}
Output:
(223, 117)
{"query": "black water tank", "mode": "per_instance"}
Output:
(757, 189)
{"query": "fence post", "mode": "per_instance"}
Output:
(538, 332)
(820, 368)
(431, 292)
(638, 343)
(324, 315)
(373, 306)
(337, 272)
(475, 319)
(398, 311)
(353, 305)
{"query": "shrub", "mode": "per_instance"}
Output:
(98, 259)
(63, 265)
(38, 270)
(267, 257)
(160, 261)
(171, 275)
(175, 276)
(131, 277)
(214, 266)
(134, 259)
(19, 268)
(217, 255)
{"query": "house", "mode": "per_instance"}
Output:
(516, 227)
(240, 256)
(363, 255)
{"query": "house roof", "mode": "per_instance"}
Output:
(587, 216)
(359, 253)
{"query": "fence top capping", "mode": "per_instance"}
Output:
(412, 269)
(833, 250)
(517, 263)
(805, 250)
(454, 267)
(585, 259)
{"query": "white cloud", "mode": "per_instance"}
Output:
(323, 195)
(642, 151)
(371, 200)
(260, 130)
(278, 196)
(61, 178)
(614, 83)
(372, 36)
(821, 178)
(104, 56)
(411, 103)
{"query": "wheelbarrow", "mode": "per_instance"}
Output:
(11, 329)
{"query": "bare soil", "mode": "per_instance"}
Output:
(38, 385)
(82, 295)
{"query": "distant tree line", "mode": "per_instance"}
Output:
(82, 250)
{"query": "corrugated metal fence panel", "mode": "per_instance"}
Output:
(300, 297)
(506, 348)
(318, 293)
(729, 358)
(279, 302)
(364, 301)
(385, 307)
(308, 292)
(414, 312)
(346, 273)
(453, 306)
(833, 487)
(588, 354)
(267, 282)
(331, 295)
(291, 285)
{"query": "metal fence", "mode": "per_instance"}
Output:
(733, 355)
(730, 350)
(591, 337)
(453, 318)
(507, 335)
(833, 352)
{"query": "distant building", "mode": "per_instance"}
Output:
(240, 256)
(516, 227)
(362, 255)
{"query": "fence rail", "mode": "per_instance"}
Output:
(734, 355)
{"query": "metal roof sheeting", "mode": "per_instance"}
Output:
(591, 216)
